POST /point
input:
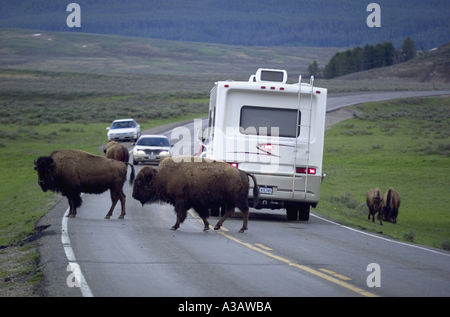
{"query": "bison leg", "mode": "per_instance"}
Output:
(181, 216)
(204, 214)
(123, 199)
(393, 216)
(72, 209)
(245, 222)
(380, 216)
(230, 210)
(114, 200)
(74, 202)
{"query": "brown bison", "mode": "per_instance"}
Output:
(72, 172)
(116, 151)
(374, 201)
(201, 185)
(391, 203)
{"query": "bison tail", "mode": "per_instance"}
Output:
(255, 191)
(132, 173)
(389, 197)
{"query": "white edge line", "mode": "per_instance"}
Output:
(74, 266)
(378, 237)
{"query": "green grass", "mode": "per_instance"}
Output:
(404, 144)
(72, 52)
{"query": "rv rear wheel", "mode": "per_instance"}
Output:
(292, 213)
(303, 213)
(298, 211)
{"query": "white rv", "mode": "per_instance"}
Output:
(274, 131)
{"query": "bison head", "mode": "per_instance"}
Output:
(45, 167)
(143, 187)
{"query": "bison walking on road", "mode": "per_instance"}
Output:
(374, 202)
(391, 203)
(72, 172)
(117, 151)
(201, 185)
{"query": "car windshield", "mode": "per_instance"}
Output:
(153, 142)
(123, 125)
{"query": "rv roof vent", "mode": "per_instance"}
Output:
(271, 75)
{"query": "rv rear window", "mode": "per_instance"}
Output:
(272, 76)
(254, 118)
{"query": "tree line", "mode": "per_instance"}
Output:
(364, 58)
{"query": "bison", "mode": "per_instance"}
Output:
(185, 184)
(391, 203)
(374, 201)
(72, 172)
(116, 151)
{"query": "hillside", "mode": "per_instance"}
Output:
(109, 65)
(318, 23)
(23, 49)
(431, 67)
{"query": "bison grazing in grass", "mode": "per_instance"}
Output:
(117, 151)
(391, 203)
(187, 184)
(72, 172)
(374, 202)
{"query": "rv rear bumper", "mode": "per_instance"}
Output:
(276, 190)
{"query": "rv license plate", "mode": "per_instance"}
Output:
(265, 190)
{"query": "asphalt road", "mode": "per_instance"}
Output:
(141, 256)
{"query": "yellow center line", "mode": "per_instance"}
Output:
(263, 247)
(299, 266)
(342, 277)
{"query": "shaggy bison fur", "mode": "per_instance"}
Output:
(72, 172)
(374, 202)
(391, 204)
(117, 151)
(186, 184)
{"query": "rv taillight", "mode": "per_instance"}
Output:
(234, 164)
(268, 147)
(281, 88)
(302, 170)
(263, 87)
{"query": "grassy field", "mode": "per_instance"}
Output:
(404, 144)
(68, 52)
